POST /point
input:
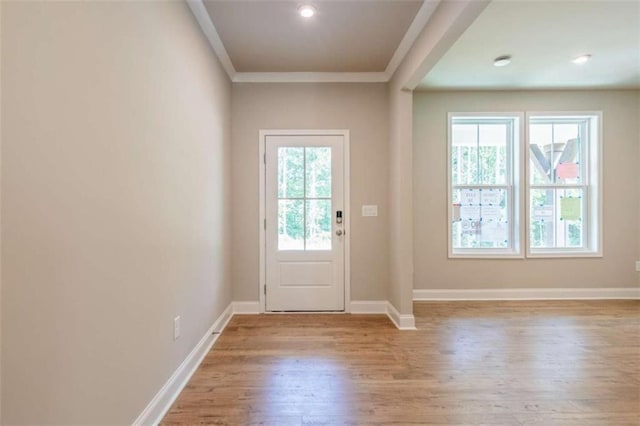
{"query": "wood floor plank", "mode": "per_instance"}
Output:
(471, 363)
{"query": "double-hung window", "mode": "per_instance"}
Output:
(483, 192)
(564, 184)
(491, 215)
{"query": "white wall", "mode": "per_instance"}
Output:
(621, 194)
(361, 108)
(115, 188)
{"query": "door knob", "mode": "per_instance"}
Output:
(339, 232)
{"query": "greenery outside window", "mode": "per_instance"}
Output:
(484, 195)
(563, 180)
(564, 184)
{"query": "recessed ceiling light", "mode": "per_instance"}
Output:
(306, 11)
(581, 59)
(502, 61)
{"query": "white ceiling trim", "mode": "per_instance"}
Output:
(449, 22)
(310, 77)
(418, 24)
(204, 20)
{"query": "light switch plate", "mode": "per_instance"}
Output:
(638, 265)
(369, 210)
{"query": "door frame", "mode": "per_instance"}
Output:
(346, 216)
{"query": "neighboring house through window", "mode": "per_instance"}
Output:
(564, 184)
(562, 216)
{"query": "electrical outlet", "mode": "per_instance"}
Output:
(638, 266)
(176, 328)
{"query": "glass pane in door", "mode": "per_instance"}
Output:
(290, 172)
(304, 198)
(318, 172)
(318, 225)
(290, 225)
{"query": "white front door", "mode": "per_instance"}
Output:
(305, 222)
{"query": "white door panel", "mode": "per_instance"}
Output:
(304, 240)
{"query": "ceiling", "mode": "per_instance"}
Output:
(343, 36)
(366, 40)
(543, 37)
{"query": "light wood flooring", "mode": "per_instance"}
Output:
(469, 363)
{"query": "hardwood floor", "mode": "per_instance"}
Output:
(497, 363)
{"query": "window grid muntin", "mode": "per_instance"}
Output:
(585, 135)
(509, 194)
(304, 199)
(509, 123)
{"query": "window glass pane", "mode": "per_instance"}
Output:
(540, 148)
(465, 134)
(558, 213)
(494, 218)
(569, 206)
(565, 131)
(482, 179)
(493, 204)
(455, 160)
(466, 234)
(290, 225)
(555, 152)
(464, 154)
(492, 153)
(318, 232)
(569, 168)
(466, 217)
(568, 161)
(557, 218)
(542, 218)
(290, 172)
(455, 211)
(318, 169)
(480, 218)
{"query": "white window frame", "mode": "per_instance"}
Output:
(515, 175)
(591, 183)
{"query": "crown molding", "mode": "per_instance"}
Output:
(204, 20)
(310, 77)
(210, 32)
(417, 25)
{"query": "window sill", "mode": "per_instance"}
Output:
(563, 254)
(488, 255)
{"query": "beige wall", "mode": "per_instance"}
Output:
(447, 21)
(401, 254)
(621, 195)
(115, 180)
(361, 108)
(638, 177)
(0, 211)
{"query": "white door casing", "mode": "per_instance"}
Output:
(304, 245)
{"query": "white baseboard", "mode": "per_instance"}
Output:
(162, 401)
(368, 306)
(527, 294)
(250, 308)
(403, 322)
